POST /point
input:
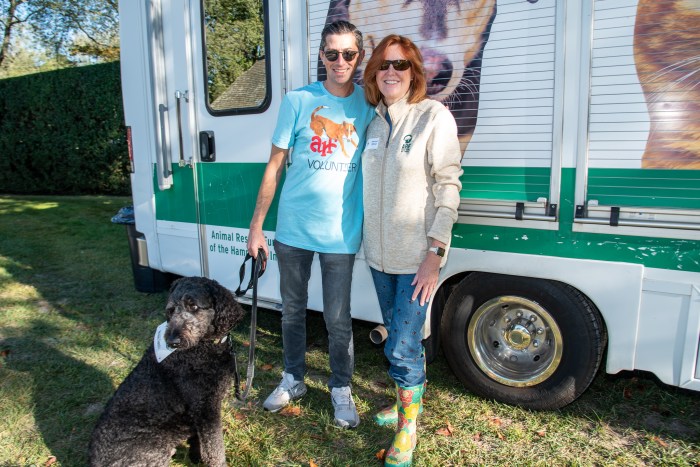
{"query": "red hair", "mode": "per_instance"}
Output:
(418, 90)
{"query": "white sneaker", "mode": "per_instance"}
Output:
(287, 391)
(345, 411)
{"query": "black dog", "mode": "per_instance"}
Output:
(160, 404)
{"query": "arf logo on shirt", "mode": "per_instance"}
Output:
(336, 132)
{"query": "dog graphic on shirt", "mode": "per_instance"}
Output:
(337, 131)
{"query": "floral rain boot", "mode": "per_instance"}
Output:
(401, 451)
(389, 414)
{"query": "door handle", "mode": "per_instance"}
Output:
(179, 96)
(207, 148)
(164, 160)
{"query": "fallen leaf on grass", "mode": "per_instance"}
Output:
(267, 367)
(4, 352)
(659, 441)
(50, 461)
(445, 430)
(291, 411)
(476, 436)
(312, 463)
(246, 344)
(495, 421)
(627, 393)
(239, 416)
(380, 454)
(501, 436)
(541, 433)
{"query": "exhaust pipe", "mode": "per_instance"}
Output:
(378, 334)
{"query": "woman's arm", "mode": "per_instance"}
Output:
(444, 159)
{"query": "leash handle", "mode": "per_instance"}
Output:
(259, 265)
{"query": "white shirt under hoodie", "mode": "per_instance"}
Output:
(411, 169)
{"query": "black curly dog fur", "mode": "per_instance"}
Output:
(159, 405)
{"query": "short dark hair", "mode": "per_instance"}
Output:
(341, 27)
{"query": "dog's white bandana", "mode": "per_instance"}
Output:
(159, 344)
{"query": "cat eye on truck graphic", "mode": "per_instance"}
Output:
(578, 240)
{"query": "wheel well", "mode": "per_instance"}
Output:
(446, 289)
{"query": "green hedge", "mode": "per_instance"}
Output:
(62, 132)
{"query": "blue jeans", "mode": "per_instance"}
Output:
(336, 278)
(404, 321)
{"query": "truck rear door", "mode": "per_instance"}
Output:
(640, 161)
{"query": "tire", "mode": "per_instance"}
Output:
(432, 343)
(529, 342)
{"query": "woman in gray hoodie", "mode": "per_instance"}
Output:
(411, 166)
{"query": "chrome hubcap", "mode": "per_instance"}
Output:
(515, 341)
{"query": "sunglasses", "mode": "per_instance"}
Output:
(399, 65)
(348, 55)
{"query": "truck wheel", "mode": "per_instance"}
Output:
(432, 343)
(522, 341)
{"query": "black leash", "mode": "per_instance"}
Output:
(258, 269)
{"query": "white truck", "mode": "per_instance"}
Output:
(578, 239)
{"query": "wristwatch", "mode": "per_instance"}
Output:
(437, 250)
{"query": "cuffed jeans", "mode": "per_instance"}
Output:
(404, 321)
(336, 278)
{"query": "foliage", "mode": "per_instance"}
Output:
(234, 32)
(77, 30)
(72, 327)
(26, 57)
(62, 132)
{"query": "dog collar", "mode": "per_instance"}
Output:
(160, 345)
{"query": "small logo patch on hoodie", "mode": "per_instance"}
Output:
(406, 147)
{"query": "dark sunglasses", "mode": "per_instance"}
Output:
(348, 55)
(399, 65)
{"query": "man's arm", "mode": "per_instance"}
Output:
(268, 187)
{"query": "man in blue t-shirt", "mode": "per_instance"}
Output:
(320, 212)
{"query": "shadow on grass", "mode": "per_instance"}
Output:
(639, 401)
(63, 389)
(67, 287)
(78, 264)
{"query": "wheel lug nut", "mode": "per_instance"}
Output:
(540, 330)
(533, 318)
(536, 344)
(519, 314)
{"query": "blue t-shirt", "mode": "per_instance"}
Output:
(320, 205)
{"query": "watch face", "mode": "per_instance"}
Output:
(438, 251)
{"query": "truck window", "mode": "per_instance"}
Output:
(236, 72)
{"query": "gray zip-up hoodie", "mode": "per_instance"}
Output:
(411, 169)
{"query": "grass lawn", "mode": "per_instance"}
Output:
(72, 327)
